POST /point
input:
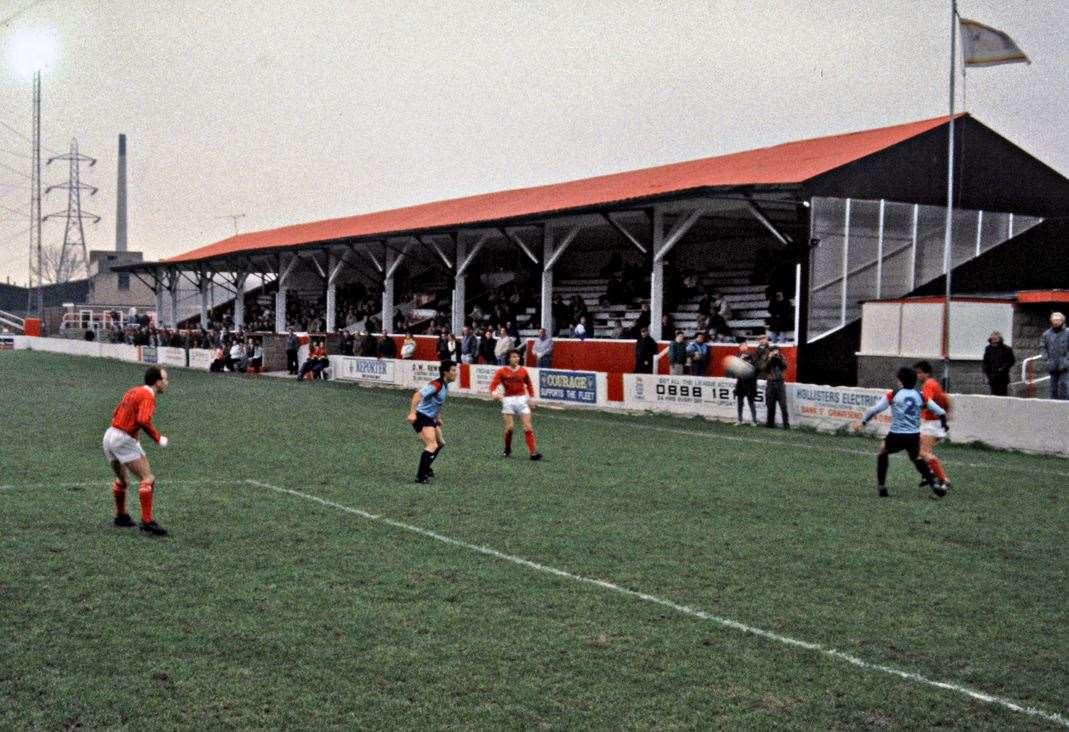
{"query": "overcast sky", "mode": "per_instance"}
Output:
(299, 110)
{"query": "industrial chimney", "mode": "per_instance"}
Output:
(120, 204)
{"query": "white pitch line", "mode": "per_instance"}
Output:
(813, 446)
(685, 610)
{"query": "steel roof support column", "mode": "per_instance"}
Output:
(460, 287)
(239, 298)
(391, 262)
(172, 290)
(333, 268)
(657, 273)
(204, 282)
(280, 296)
(158, 291)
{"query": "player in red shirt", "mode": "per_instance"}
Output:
(134, 413)
(932, 431)
(512, 385)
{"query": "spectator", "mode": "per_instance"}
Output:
(369, 346)
(773, 366)
(441, 346)
(503, 346)
(385, 348)
(1054, 348)
(408, 347)
(645, 351)
(668, 325)
(746, 387)
(643, 321)
(469, 346)
(780, 317)
(488, 347)
(998, 360)
(579, 330)
(452, 349)
(317, 361)
(616, 330)
(256, 362)
(543, 349)
(677, 355)
(698, 355)
(219, 360)
(346, 343)
(292, 344)
(237, 357)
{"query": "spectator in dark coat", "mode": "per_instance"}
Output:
(645, 350)
(780, 317)
(998, 360)
(487, 344)
(773, 366)
(386, 348)
(369, 347)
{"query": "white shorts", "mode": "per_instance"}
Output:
(515, 405)
(120, 446)
(933, 428)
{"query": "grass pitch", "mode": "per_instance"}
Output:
(271, 609)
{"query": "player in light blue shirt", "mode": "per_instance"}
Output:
(906, 404)
(425, 417)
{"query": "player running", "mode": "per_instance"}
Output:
(425, 418)
(932, 432)
(124, 452)
(517, 397)
(905, 403)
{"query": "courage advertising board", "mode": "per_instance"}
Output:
(573, 387)
(349, 368)
(149, 354)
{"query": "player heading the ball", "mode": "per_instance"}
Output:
(123, 451)
(425, 416)
(512, 385)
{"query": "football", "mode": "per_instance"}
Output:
(737, 368)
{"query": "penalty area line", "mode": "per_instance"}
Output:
(768, 635)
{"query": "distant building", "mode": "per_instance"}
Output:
(116, 288)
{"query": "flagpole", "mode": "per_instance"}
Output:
(947, 244)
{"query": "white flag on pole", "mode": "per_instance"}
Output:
(982, 45)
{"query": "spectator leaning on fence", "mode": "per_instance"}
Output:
(998, 360)
(677, 354)
(469, 346)
(502, 347)
(1054, 348)
(543, 349)
(698, 355)
(408, 347)
(488, 347)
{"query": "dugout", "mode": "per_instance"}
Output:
(833, 221)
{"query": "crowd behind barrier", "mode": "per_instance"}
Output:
(1029, 425)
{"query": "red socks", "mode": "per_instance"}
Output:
(118, 491)
(144, 493)
(937, 468)
(528, 437)
(508, 440)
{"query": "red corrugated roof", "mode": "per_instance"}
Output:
(792, 162)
